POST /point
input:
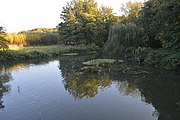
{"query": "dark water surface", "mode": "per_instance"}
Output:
(60, 90)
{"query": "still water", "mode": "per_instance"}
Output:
(60, 90)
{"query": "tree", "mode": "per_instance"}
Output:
(3, 42)
(131, 10)
(105, 20)
(85, 23)
(160, 20)
(127, 35)
(79, 17)
(18, 39)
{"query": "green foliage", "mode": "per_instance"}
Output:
(100, 62)
(85, 23)
(123, 37)
(40, 30)
(81, 86)
(43, 52)
(71, 54)
(160, 20)
(33, 39)
(38, 36)
(42, 38)
(162, 58)
(3, 41)
(131, 10)
(155, 25)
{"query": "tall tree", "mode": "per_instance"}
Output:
(160, 19)
(85, 23)
(131, 10)
(105, 20)
(3, 42)
(78, 17)
(126, 34)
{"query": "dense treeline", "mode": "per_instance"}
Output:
(156, 26)
(41, 36)
(42, 39)
(126, 35)
(84, 22)
(41, 30)
(148, 32)
(38, 36)
(16, 39)
(152, 37)
(161, 22)
(141, 32)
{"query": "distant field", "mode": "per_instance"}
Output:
(36, 52)
(51, 48)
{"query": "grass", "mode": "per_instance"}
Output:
(34, 52)
(107, 65)
(100, 61)
(52, 48)
(71, 54)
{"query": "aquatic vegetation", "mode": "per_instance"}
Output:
(100, 61)
(70, 54)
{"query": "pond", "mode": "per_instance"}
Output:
(60, 90)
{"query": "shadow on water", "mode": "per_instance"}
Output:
(5, 76)
(159, 88)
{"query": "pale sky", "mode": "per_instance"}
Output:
(18, 15)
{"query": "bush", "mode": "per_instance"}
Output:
(162, 58)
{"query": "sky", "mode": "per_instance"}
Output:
(18, 15)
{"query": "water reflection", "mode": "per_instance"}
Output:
(160, 88)
(81, 84)
(85, 86)
(5, 76)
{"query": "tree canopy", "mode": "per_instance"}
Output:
(160, 20)
(154, 24)
(84, 22)
(3, 41)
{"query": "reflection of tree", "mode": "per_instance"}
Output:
(15, 67)
(4, 77)
(128, 88)
(77, 82)
(70, 63)
(162, 90)
(82, 85)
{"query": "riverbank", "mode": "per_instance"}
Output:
(166, 59)
(37, 52)
(162, 58)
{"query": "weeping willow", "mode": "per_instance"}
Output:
(123, 37)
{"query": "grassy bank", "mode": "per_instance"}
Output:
(43, 52)
(167, 59)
